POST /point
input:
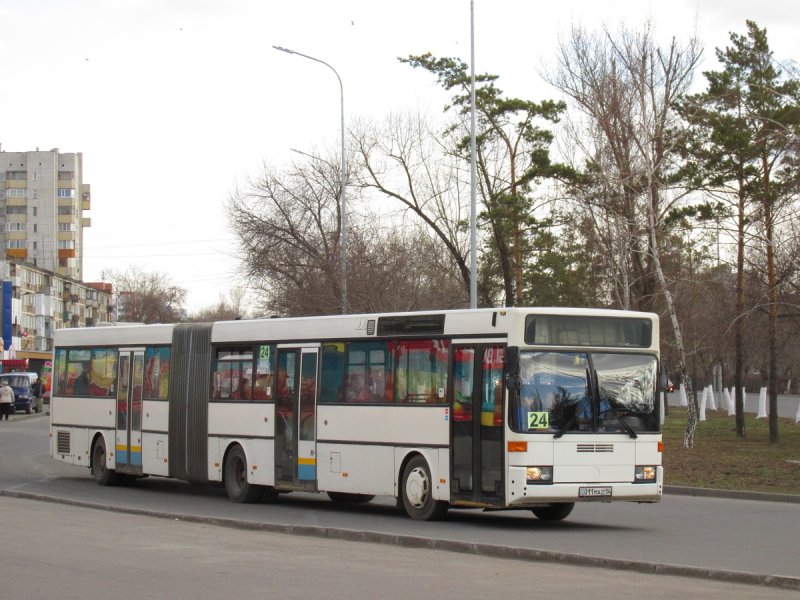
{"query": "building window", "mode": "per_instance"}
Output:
(17, 193)
(66, 244)
(66, 226)
(66, 192)
(16, 210)
(17, 175)
(65, 210)
(16, 244)
(15, 226)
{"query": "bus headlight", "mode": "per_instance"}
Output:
(644, 474)
(540, 475)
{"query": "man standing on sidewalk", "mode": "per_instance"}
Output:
(6, 400)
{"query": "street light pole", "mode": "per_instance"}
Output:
(342, 180)
(473, 221)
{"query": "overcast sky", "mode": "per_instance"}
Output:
(174, 103)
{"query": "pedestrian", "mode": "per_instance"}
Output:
(6, 400)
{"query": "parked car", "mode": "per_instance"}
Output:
(24, 398)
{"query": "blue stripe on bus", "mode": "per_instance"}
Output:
(306, 472)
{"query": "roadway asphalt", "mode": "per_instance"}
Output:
(70, 552)
(533, 559)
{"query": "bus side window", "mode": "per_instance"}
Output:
(156, 378)
(332, 373)
(231, 376)
(422, 371)
(369, 369)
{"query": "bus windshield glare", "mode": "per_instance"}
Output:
(585, 392)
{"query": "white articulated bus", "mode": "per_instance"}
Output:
(516, 408)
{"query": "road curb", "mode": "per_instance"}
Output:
(411, 541)
(733, 494)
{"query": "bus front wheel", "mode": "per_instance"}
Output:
(554, 512)
(101, 473)
(235, 478)
(417, 492)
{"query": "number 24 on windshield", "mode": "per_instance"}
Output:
(538, 420)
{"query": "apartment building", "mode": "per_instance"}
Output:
(43, 199)
(35, 302)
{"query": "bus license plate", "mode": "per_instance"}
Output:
(594, 492)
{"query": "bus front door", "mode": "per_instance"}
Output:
(477, 425)
(130, 373)
(296, 419)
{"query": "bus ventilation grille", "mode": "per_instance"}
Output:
(62, 442)
(594, 448)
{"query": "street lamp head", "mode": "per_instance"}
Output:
(282, 49)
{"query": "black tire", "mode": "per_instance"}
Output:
(416, 492)
(101, 473)
(28, 410)
(554, 512)
(235, 478)
(346, 498)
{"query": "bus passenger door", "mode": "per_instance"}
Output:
(296, 418)
(130, 377)
(476, 469)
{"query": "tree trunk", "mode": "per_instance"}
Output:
(772, 299)
(738, 375)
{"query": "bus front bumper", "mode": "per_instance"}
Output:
(589, 491)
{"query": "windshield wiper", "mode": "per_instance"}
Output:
(574, 417)
(567, 425)
(627, 427)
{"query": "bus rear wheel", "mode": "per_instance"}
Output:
(235, 478)
(554, 512)
(416, 492)
(101, 473)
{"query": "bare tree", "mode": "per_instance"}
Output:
(406, 161)
(626, 85)
(229, 307)
(146, 297)
(288, 229)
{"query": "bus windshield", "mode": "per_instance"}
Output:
(585, 392)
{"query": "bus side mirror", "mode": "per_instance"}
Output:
(513, 382)
(662, 379)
